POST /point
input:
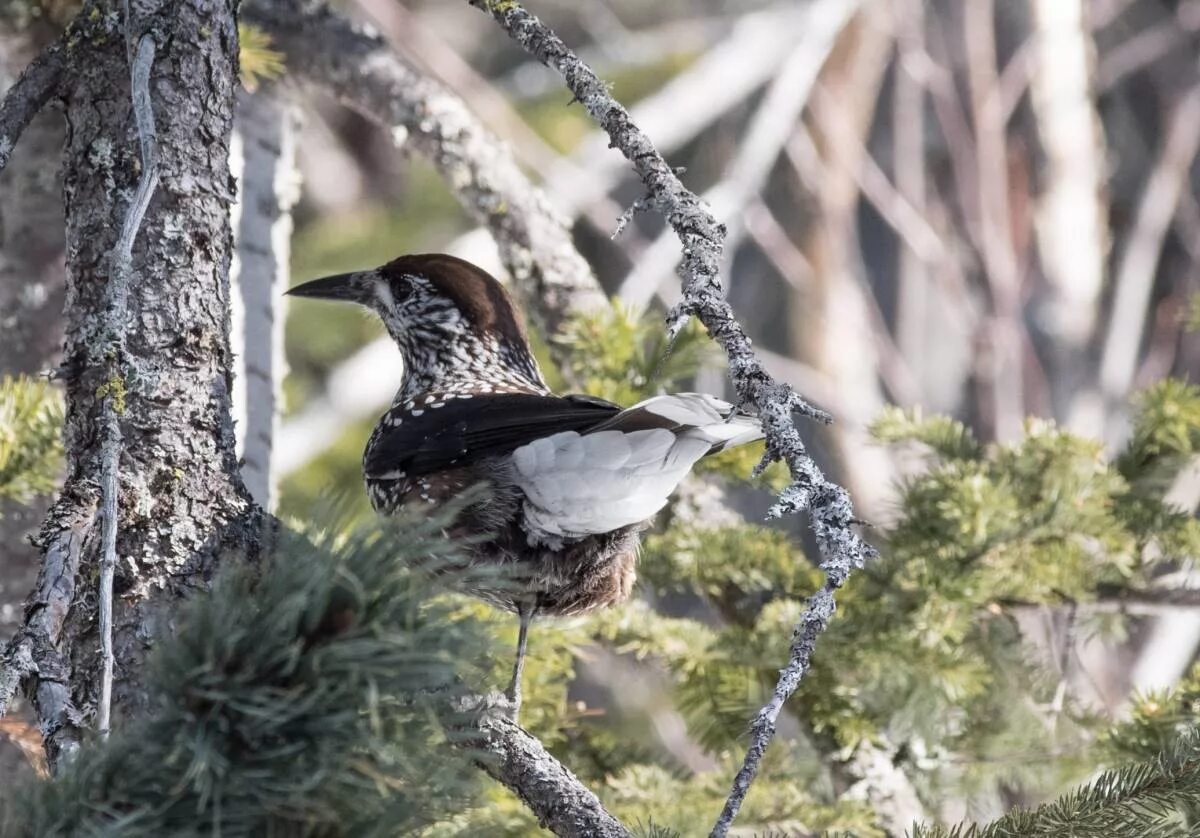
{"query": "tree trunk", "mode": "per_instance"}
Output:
(265, 156)
(181, 501)
(32, 286)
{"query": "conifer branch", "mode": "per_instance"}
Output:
(316, 691)
(702, 237)
(28, 96)
(1139, 799)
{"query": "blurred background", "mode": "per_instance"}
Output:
(983, 211)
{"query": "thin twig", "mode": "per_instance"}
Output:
(830, 511)
(113, 406)
(28, 96)
(1138, 52)
(913, 286)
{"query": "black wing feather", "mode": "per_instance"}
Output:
(464, 431)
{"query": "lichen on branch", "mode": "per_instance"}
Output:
(831, 514)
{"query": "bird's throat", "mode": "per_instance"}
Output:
(467, 363)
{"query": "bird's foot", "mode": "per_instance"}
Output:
(494, 703)
(512, 702)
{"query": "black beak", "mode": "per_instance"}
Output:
(348, 288)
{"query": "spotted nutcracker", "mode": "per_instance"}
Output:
(567, 482)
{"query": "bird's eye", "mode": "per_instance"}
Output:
(401, 288)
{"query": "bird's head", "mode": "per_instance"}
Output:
(445, 314)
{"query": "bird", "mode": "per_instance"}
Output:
(565, 484)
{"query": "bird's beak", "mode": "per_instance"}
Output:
(349, 288)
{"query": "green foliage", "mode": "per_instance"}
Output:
(257, 58)
(30, 447)
(1159, 798)
(619, 356)
(309, 695)
(949, 438)
(1157, 720)
(1166, 430)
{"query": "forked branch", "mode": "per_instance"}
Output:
(831, 514)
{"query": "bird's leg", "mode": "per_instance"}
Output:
(513, 693)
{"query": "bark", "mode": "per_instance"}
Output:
(519, 761)
(181, 502)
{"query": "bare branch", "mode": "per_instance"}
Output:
(1138, 52)
(32, 290)
(519, 761)
(33, 651)
(908, 162)
(1006, 330)
(831, 513)
(114, 402)
(28, 95)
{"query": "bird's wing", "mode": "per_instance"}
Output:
(458, 431)
(622, 470)
(698, 414)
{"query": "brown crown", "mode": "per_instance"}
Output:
(478, 295)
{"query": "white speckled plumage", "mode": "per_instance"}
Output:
(569, 481)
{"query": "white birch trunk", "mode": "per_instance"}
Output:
(263, 159)
(1071, 216)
